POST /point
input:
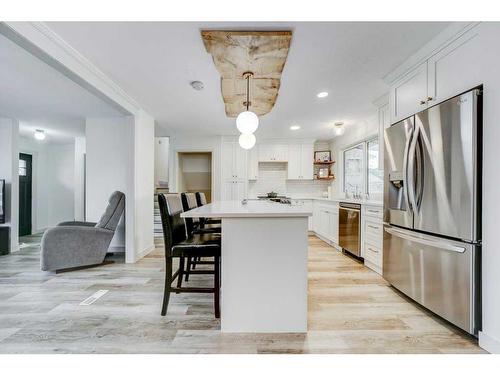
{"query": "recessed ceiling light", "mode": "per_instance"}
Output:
(39, 134)
(339, 128)
(322, 94)
(294, 127)
(197, 85)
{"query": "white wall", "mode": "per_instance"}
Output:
(80, 178)
(120, 156)
(162, 145)
(144, 143)
(53, 182)
(9, 171)
(109, 149)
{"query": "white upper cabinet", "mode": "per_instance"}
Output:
(294, 162)
(300, 162)
(253, 163)
(409, 94)
(307, 157)
(234, 161)
(273, 152)
(451, 71)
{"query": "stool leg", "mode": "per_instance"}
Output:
(217, 286)
(181, 273)
(188, 267)
(168, 284)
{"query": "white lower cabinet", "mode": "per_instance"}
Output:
(372, 237)
(326, 221)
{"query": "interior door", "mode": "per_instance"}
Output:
(446, 198)
(25, 179)
(397, 209)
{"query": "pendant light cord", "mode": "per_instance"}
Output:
(248, 91)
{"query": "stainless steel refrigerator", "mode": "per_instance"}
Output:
(432, 208)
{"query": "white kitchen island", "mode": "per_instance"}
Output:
(264, 265)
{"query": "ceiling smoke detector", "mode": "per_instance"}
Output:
(197, 85)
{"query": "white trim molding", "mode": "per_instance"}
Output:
(489, 343)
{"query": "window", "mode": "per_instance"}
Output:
(353, 169)
(361, 168)
(22, 167)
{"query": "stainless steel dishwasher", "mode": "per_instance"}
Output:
(350, 227)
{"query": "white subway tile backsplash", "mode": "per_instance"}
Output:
(273, 177)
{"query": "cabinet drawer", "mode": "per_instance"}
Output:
(373, 254)
(373, 211)
(373, 230)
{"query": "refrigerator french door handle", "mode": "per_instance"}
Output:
(411, 167)
(405, 172)
(420, 170)
(424, 240)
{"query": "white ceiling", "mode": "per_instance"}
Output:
(42, 98)
(154, 62)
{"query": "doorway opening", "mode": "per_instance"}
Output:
(25, 194)
(195, 173)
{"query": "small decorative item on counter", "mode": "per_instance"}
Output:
(323, 156)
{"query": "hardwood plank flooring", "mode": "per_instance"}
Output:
(351, 310)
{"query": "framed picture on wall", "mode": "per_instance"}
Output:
(322, 156)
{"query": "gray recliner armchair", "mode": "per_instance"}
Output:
(78, 244)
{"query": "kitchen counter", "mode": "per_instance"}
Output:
(263, 264)
(348, 200)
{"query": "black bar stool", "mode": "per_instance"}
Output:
(179, 245)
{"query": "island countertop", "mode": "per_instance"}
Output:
(252, 208)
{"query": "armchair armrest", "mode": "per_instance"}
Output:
(76, 224)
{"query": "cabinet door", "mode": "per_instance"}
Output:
(294, 162)
(240, 162)
(280, 153)
(253, 164)
(452, 70)
(316, 218)
(324, 223)
(306, 157)
(265, 152)
(227, 161)
(409, 94)
(334, 225)
(227, 190)
(239, 191)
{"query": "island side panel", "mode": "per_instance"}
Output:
(264, 274)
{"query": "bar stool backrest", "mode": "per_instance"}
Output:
(173, 225)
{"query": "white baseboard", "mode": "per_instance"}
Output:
(489, 343)
(144, 252)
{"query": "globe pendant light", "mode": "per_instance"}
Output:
(247, 122)
(247, 141)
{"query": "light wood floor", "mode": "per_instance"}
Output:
(351, 310)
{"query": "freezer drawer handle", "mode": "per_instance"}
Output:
(425, 241)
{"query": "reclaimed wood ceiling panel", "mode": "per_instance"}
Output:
(235, 52)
